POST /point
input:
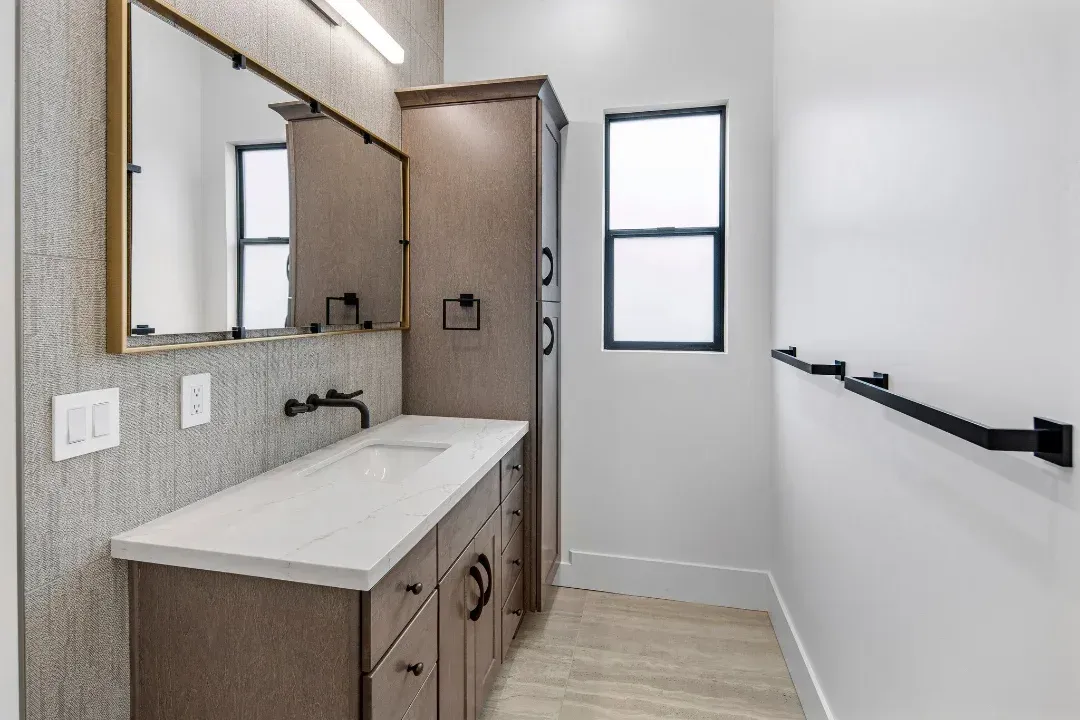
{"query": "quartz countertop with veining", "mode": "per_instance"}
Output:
(328, 528)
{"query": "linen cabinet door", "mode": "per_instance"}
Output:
(460, 597)
(548, 522)
(487, 630)
(549, 152)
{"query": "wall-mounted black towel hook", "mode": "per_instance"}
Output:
(837, 369)
(1049, 440)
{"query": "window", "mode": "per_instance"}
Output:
(262, 228)
(664, 231)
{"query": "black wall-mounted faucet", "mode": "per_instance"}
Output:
(333, 399)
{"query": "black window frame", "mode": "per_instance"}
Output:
(242, 242)
(717, 232)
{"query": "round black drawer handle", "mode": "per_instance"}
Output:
(516, 513)
(416, 588)
(417, 669)
(515, 563)
(516, 468)
(517, 612)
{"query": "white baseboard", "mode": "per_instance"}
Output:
(707, 585)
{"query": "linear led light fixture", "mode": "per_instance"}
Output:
(340, 12)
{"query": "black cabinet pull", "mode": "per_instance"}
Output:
(416, 669)
(476, 612)
(516, 468)
(516, 513)
(515, 563)
(517, 612)
(551, 269)
(416, 588)
(491, 578)
(551, 328)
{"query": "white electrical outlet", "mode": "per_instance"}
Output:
(195, 400)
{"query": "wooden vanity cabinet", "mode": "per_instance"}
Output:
(426, 643)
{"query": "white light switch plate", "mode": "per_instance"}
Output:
(78, 408)
(195, 400)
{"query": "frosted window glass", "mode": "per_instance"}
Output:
(266, 286)
(266, 193)
(664, 289)
(665, 172)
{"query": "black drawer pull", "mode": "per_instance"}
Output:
(515, 562)
(517, 612)
(476, 612)
(516, 513)
(416, 669)
(491, 578)
(416, 588)
(516, 468)
(551, 270)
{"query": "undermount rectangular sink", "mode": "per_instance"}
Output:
(381, 462)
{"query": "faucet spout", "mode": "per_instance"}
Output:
(341, 400)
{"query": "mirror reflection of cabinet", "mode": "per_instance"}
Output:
(238, 203)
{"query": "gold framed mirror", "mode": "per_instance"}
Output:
(240, 207)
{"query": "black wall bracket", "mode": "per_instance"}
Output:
(465, 300)
(837, 369)
(239, 62)
(142, 330)
(1049, 440)
(238, 333)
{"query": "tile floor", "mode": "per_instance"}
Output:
(600, 656)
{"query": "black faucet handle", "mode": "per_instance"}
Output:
(334, 394)
(295, 407)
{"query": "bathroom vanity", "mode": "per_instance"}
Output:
(379, 578)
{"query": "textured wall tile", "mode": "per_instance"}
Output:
(76, 645)
(298, 45)
(76, 601)
(427, 19)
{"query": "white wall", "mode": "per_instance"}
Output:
(190, 110)
(9, 517)
(665, 455)
(166, 260)
(928, 225)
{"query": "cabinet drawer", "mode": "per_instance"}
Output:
(459, 527)
(391, 687)
(513, 611)
(426, 704)
(512, 466)
(391, 604)
(513, 558)
(512, 511)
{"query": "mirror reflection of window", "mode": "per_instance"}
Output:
(262, 174)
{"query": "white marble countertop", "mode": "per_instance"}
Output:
(334, 529)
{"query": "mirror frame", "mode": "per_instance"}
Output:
(117, 219)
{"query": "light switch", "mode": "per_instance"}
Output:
(102, 422)
(76, 425)
(85, 422)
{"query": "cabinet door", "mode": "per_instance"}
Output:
(487, 630)
(548, 545)
(550, 271)
(458, 594)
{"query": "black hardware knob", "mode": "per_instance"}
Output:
(517, 612)
(516, 513)
(515, 563)
(416, 669)
(415, 588)
(516, 468)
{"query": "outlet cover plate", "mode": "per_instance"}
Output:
(63, 448)
(195, 400)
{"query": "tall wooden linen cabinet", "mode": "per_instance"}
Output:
(484, 161)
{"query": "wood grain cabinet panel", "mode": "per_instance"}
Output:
(391, 687)
(513, 511)
(512, 468)
(426, 704)
(512, 612)
(457, 530)
(390, 605)
(513, 560)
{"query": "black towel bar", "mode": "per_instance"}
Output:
(1049, 440)
(788, 356)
